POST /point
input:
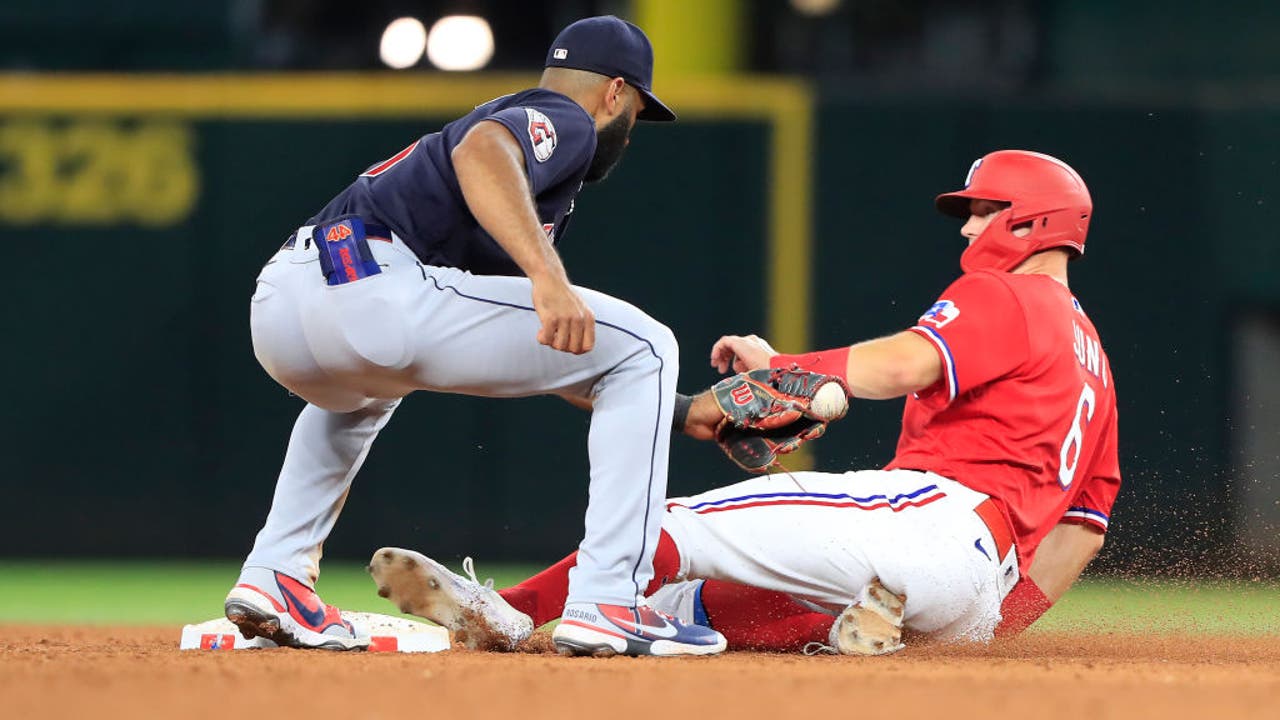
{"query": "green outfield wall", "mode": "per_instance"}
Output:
(139, 424)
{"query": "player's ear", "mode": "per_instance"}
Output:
(616, 95)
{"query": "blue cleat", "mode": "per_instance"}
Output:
(605, 630)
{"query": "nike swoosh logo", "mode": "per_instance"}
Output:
(314, 618)
(666, 630)
(978, 544)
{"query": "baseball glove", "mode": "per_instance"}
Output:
(769, 413)
(756, 450)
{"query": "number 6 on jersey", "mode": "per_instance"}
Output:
(1067, 459)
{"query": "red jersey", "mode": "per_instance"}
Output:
(1026, 409)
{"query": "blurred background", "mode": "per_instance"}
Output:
(154, 154)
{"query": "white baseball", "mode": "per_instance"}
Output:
(830, 402)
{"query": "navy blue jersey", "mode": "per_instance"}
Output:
(416, 192)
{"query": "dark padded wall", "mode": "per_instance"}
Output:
(138, 422)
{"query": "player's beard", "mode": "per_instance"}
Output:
(611, 142)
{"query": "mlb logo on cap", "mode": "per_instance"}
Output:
(612, 47)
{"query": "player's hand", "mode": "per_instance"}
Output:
(736, 353)
(568, 325)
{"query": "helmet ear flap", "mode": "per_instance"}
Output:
(997, 247)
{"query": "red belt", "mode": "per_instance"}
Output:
(991, 516)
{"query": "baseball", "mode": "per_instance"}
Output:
(830, 402)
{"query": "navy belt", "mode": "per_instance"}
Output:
(377, 232)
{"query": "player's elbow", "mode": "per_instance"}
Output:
(1086, 543)
(1095, 544)
(468, 154)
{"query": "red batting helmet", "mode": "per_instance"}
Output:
(1044, 193)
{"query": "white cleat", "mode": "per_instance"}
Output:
(872, 625)
(476, 614)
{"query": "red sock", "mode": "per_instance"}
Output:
(542, 596)
(755, 619)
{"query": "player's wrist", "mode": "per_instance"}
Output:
(680, 414)
(834, 362)
(541, 263)
(699, 415)
(547, 274)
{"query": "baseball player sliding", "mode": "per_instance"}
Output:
(998, 496)
(436, 270)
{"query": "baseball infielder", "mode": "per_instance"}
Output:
(436, 270)
(1000, 491)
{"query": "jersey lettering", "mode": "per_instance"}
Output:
(1088, 352)
(390, 162)
(1073, 445)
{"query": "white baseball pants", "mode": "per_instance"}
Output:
(822, 537)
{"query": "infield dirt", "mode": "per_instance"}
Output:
(107, 673)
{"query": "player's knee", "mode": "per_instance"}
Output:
(649, 343)
(666, 348)
(331, 398)
(665, 343)
(654, 352)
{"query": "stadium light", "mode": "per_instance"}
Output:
(815, 7)
(403, 42)
(460, 42)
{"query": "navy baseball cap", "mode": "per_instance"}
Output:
(613, 47)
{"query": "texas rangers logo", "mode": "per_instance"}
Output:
(968, 179)
(542, 134)
(338, 233)
(942, 312)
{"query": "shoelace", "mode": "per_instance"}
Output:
(469, 567)
(817, 648)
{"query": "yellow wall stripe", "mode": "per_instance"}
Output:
(692, 37)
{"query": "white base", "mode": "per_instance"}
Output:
(389, 634)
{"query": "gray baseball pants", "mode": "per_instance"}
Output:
(353, 351)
